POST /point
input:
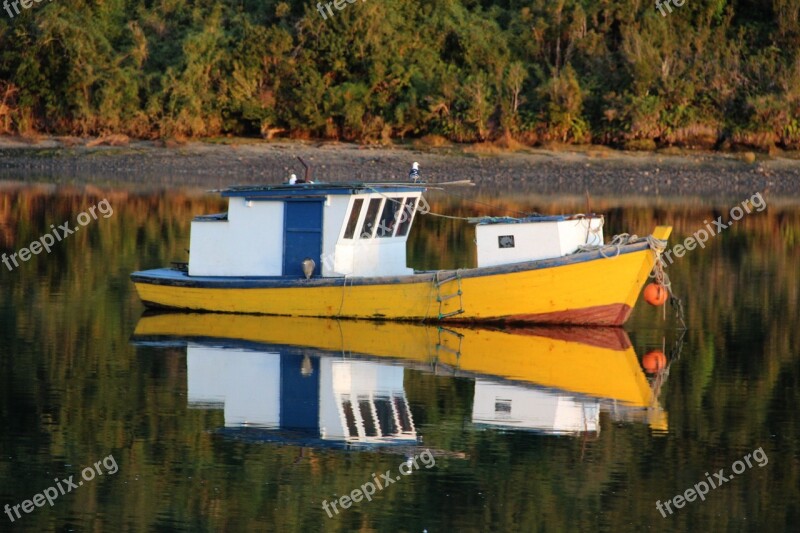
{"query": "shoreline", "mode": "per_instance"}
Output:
(245, 161)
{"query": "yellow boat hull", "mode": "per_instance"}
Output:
(597, 362)
(585, 289)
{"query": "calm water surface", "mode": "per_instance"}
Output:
(220, 423)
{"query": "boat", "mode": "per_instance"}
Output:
(339, 250)
(340, 383)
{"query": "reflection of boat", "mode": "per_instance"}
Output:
(319, 399)
(339, 250)
(548, 379)
(507, 406)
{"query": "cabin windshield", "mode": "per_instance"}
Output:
(382, 217)
(352, 222)
(368, 228)
(389, 216)
(406, 215)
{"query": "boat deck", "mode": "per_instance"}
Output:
(169, 276)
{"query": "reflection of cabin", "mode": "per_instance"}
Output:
(325, 397)
(347, 229)
(368, 402)
(516, 407)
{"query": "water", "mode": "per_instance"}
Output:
(212, 423)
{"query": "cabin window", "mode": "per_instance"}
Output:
(386, 420)
(403, 415)
(350, 229)
(368, 228)
(365, 408)
(389, 217)
(502, 407)
(406, 216)
(350, 418)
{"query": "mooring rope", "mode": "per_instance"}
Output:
(662, 279)
(623, 239)
(657, 246)
(344, 287)
(401, 204)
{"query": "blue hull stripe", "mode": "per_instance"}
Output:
(168, 276)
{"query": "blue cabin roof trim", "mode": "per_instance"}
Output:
(285, 191)
(481, 221)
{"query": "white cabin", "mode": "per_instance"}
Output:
(503, 241)
(346, 229)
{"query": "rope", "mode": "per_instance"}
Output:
(623, 239)
(658, 246)
(471, 220)
(494, 207)
(344, 286)
(376, 191)
(581, 218)
(420, 212)
(452, 217)
(662, 279)
(430, 297)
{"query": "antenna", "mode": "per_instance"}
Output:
(308, 169)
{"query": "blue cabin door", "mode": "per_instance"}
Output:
(300, 393)
(302, 236)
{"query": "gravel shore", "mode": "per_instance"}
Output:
(600, 171)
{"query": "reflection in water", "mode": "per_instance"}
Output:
(553, 380)
(74, 390)
(512, 407)
(319, 397)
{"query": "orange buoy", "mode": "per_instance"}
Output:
(655, 294)
(653, 361)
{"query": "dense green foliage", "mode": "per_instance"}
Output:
(710, 73)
